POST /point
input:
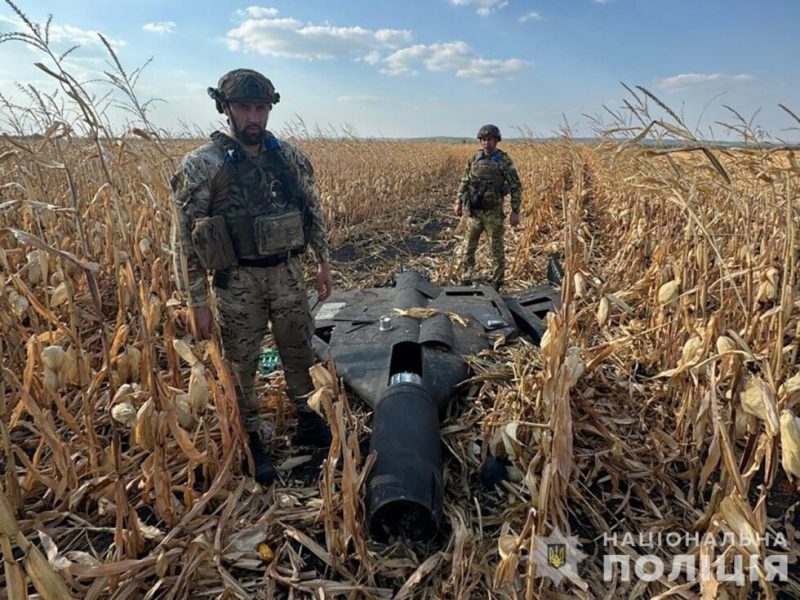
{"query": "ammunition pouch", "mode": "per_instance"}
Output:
(212, 243)
(281, 233)
(476, 202)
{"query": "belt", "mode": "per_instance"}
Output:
(269, 261)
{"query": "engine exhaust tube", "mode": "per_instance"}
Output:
(405, 491)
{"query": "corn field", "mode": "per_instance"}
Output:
(664, 396)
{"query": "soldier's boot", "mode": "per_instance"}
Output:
(468, 272)
(264, 471)
(312, 430)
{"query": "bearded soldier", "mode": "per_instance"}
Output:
(488, 177)
(247, 207)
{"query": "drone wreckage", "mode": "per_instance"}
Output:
(399, 350)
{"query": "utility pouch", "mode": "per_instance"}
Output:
(489, 200)
(212, 243)
(275, 234)
(220, 279)
(476, 202)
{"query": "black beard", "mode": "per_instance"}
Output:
(251, 138)
(246, 137)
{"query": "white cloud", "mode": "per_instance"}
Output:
(483, 7)
(691, 81)
(160, 28)
(401, 62)
(455, 57)
(257, 12)
(531, 16)
(289, 37)
(371, 58)
(600, 1)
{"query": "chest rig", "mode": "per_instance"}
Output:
(258, 215)
(486, 181)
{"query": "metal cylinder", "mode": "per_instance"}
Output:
(405, 491)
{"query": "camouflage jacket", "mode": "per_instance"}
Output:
(506, 182)
(195, 185)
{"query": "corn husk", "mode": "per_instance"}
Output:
(579, 283)
(19, 304)
(125, 413)
(692, 351)
(186, 417)
(60, 295)
(602, 311)
(758, 400)
(574, 365)
(789, 389)
(790, 443)
(199, 392)
(144, 431)
(183, 350)
(51, 381)
(668, 292)
(53, 357)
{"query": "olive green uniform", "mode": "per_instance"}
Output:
(253, 198)
(484, 184)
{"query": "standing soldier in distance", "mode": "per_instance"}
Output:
(247, 206)
(488, 177)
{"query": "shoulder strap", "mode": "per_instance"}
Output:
(231, 151)
(290, 182)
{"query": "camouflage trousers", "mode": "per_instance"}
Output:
(252, 299)
(492, 222)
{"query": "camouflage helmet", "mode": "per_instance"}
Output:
(488, 130)
(243, 84)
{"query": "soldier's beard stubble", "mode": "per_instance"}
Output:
(250, 136)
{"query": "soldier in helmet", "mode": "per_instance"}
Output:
(488, 177)
(247, 207)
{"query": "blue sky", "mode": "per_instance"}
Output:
(438, 67)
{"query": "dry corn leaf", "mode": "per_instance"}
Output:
(55, 558)
(183, 350)
(321, 377)
(741, 521)
(317, 400)
(511, 444)
(790, 443)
